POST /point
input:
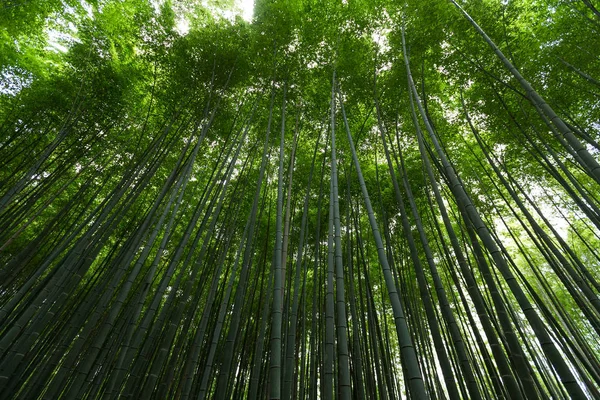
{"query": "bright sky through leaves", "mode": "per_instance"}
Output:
(247, 7)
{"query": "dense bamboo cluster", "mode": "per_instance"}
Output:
(270, 230)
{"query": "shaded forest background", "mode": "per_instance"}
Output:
(354, 200)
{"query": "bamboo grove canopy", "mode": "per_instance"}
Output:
(361, 199)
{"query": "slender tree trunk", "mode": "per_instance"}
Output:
(409, 358)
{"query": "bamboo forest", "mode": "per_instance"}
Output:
(300, 199)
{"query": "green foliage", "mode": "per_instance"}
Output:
(129, 159)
